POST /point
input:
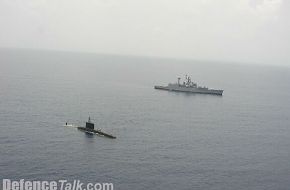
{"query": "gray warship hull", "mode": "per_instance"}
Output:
(178, 88)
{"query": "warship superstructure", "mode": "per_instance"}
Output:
(189, 87)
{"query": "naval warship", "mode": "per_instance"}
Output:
(190, 87)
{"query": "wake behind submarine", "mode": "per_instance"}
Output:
(90, 130)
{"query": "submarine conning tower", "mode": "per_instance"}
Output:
(89, 124)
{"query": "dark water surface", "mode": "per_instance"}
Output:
(165, 140)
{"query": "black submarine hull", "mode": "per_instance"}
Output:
(99, 132)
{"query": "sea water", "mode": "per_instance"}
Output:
(165, 140)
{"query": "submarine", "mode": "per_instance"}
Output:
(90, 129)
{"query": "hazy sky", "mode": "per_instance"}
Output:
(231, 30)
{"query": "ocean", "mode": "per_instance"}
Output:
(165, 140)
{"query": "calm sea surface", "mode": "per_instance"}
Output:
(165, 140)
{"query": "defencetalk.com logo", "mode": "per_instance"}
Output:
(8, 184)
